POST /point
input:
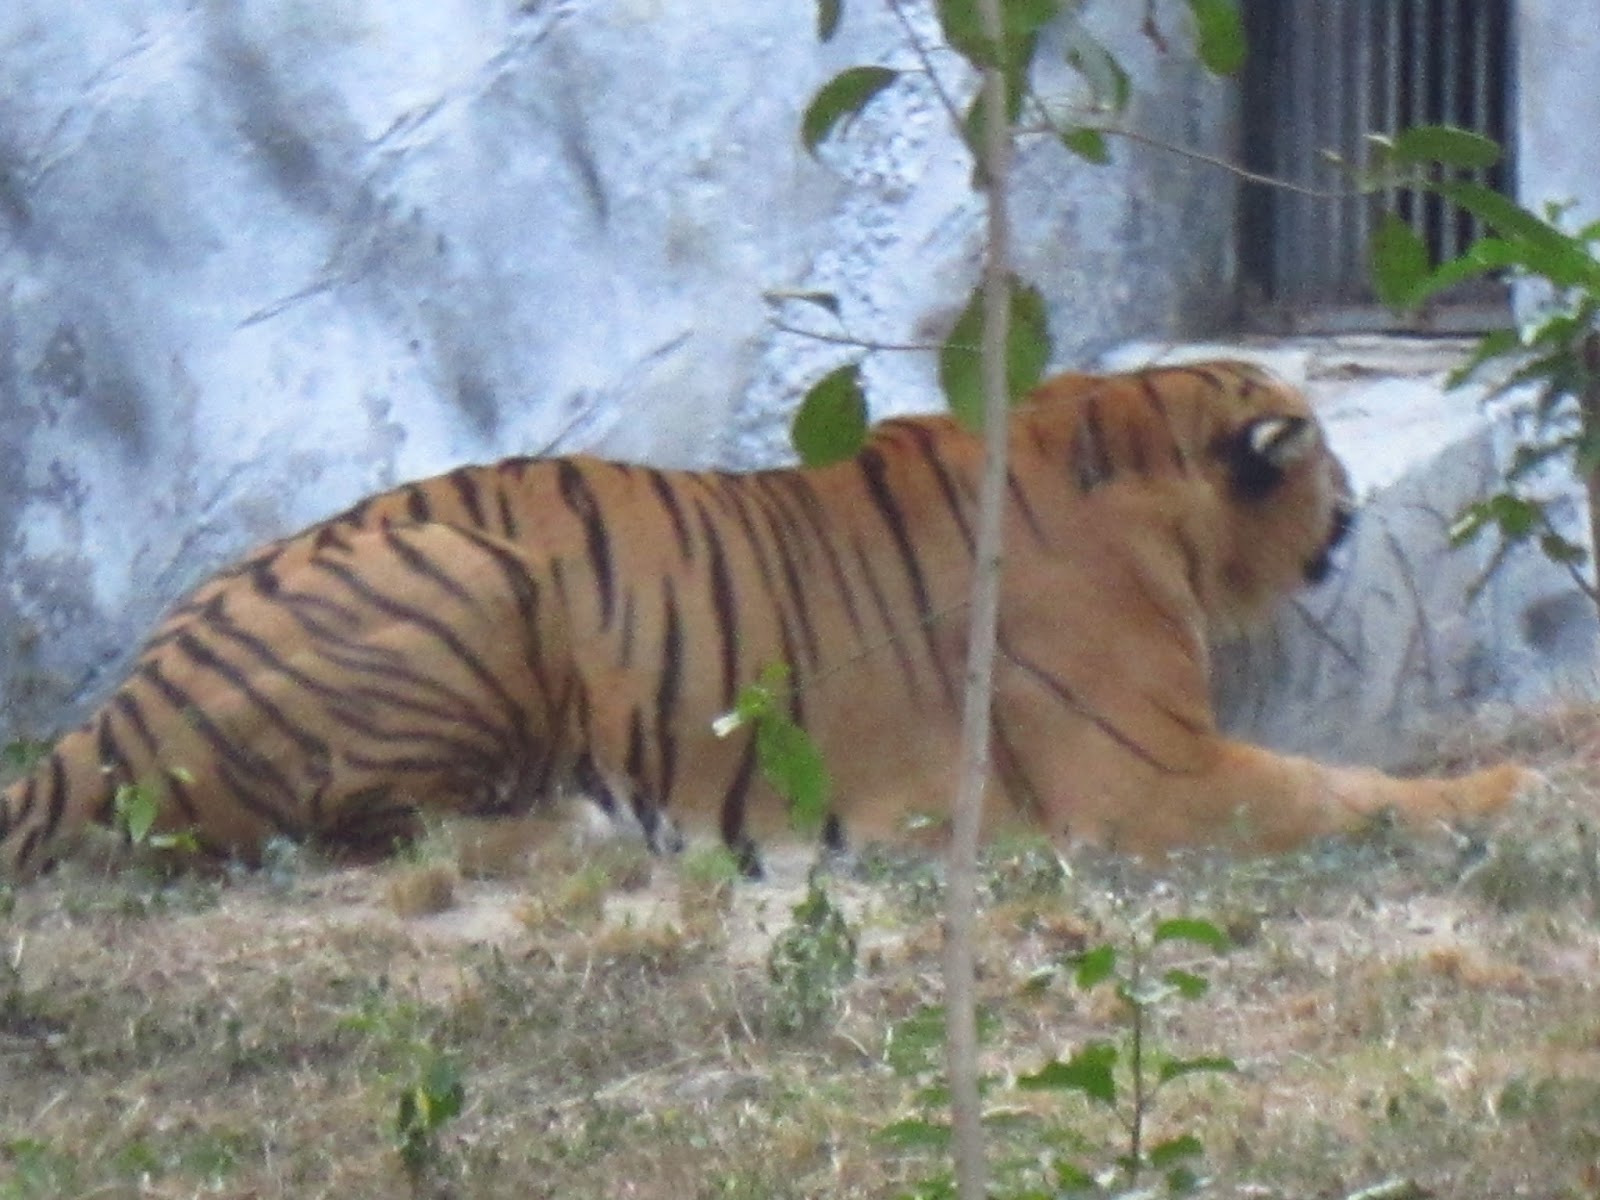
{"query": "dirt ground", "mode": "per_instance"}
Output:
(1403, 1018)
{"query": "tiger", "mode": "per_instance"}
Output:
(487, 639)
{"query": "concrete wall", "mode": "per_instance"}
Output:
(258, 257)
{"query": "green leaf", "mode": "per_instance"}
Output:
(1191, 929)
(1514, 516)
(1021, 21)
(136, 808)
(1174, 1150)
(1399, 261)
(1505, 216)
(843, 96)
(1071, 1179)
(1182, 1180)
(1027, 353)
(1219, 35)
(1094, 966)
(1186, 983)
(1491, 345)
(828, 13)
(1108, 83)
(791, 762)
(916, 1044)
(1088, 144)
(1177, 1068)
(1444, 144)
(832, 422)
(1090, 1071)
(915, 1133)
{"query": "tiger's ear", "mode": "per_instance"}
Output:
(1281, 441)
(1261, 451)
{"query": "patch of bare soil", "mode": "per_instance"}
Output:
(1419, 1017)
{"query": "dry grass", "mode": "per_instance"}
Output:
(1417, 1013)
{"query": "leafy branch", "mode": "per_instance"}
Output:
(1555, 353)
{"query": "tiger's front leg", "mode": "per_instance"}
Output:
(1257, 800)
(1091, 780)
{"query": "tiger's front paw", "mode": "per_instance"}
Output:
(1485, 793)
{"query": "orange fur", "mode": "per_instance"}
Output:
(474, 641)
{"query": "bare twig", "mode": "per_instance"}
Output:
(1049, 127)
(994, 155)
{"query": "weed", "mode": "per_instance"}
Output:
(810, 963)
(429, 1101)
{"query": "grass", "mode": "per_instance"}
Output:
(1416, 1014)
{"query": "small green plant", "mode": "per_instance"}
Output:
(1125, 1074)
(809, 963)
(423, 1081)
(427, 1102)
(134, 809)
(31, 1168)
(1128, 1073)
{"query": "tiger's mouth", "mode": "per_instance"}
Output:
(1327, 558)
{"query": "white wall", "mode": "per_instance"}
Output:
(258, 257)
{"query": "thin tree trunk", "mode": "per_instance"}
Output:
(961, 897)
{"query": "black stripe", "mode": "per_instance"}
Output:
(731, 496)
(1158, 404)
(1205, 374)
(1065, 695)
(871, 463)
(129, 708)
(731, 818)
(354, 516)
(824, 535)
(668, 691)
(417, 506)
(525, 592)
(328, 537)
(191, 646)
(725, 606)
(667, 494)
(1019, 497)
(354, 704)
(645, 807)
(467, 490)
(580, 499)
(1091, 458)
(420, 563)
(587, 778)
(438, 628)
(56, 800)
(508, 513)
(233, 761)
(113, 762)
(794, 587)
(927, 446)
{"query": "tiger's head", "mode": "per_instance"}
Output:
(1285, 501)
(1222, 462)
